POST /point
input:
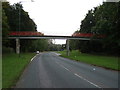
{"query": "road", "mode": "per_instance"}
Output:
(48, 70)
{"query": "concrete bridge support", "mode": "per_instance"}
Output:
(17, 45)
(67, 47)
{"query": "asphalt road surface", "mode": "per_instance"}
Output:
(48, 70)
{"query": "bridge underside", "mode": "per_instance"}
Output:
(47, 37)
(50, 37)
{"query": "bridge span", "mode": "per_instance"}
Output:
(37, 35)
(50, 37)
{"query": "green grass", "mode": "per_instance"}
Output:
(12, 67)
(109, 62)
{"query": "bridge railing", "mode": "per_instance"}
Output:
(25, 33)
(38, 34)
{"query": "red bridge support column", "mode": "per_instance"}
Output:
(17, 45)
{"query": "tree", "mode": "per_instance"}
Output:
(18, 20)
(88, 22)
(40, 45)
(105, 20)
(5, 28)
(106, 17)
(86, 27)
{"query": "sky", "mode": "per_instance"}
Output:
(58, 17)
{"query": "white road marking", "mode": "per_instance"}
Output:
(62, 66)
(65, 68)
(34, 57)
(86, 80)
(78, 75)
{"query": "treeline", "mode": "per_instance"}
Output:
(14, 18)
(105, 20)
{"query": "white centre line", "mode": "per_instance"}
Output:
(86, 80)
(79, 76)
(65, 68)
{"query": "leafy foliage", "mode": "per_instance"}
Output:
(16, 19)
(104, 19)
(5, 27)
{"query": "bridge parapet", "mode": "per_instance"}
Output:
(87, 35)
(39, 35)
(25, 33)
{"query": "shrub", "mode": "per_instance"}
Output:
(7, 50)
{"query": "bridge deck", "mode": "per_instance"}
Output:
(39, 35)
(50, 37)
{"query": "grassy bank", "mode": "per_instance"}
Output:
(12, 67)
(109, 62)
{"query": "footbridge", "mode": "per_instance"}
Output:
(38, 35)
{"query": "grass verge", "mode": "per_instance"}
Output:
(108, 62)
(13, 66)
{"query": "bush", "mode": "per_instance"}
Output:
(7, 50)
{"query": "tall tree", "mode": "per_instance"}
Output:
(103, 19)
(106, 17)
(19, 20)
(88, 22)
(5, 28)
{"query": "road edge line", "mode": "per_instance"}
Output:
(34, 57)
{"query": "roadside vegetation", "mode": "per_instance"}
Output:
(101, 20)
(109, 62)
(13, 66)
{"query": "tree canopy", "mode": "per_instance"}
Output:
(105, 20)
(16, 19)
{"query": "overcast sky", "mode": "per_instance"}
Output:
(58, 17)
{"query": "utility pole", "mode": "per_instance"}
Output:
(67, 47)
